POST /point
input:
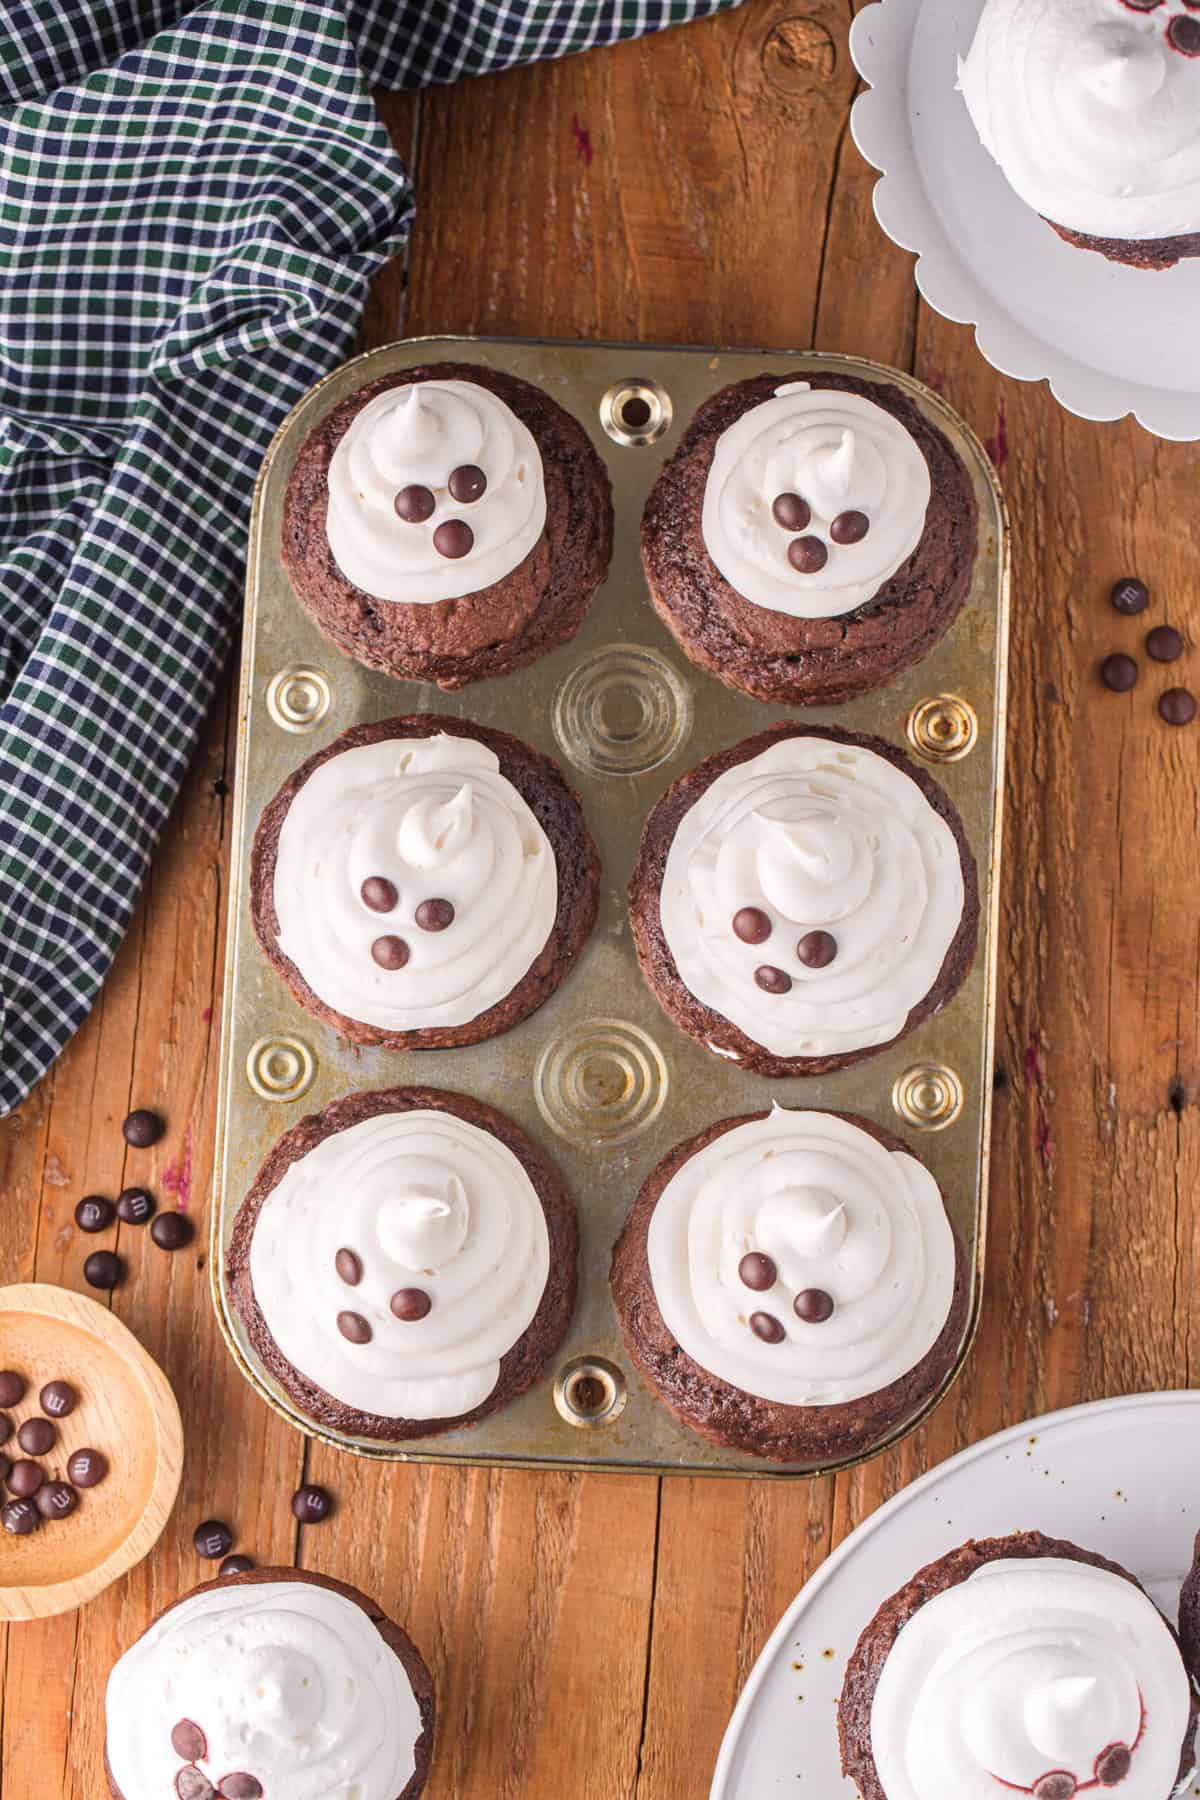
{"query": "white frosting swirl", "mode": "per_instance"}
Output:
(1091, 113)
(419, 435)
(1030, 1668)
(833, 1210)
(839, 452)
(423, 1200)
(289, 1682)
(436, 818)
(819, 835)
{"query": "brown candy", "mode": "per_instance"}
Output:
(1129, 595)
(410, 1304)
(453, 538)
(188, 1741)
(94, 1213)
(135, 1205)
(414, 504)
(37, 1436)
(142, 1128)
(467, 484)
(1177, 706)
(104, 1269)
(813, 1305)
(6, 1428)
(379, 894)
(390, 953)
(1183, 34)
(767, 1327)
(850, 528)
(435, 915)
(24, 1479)
(311, 1504)
(56, 1500)
(1058, 1785)
(757, 1271)
(236, 1565)
(354, 1328)
(58, 1398)
(751, 924)
(790, 511)
(1164, 644)
(20, 1517)
(172, 1230)
(1118, 672)
(193, 1784)
(772, 980)
(239, 1786)
(12, 1387)
(807, 555)
(348, 1266)
(212, 1539)
(1113, 1764)
(87, 1468)
(817, 949)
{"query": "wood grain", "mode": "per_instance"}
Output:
(590, 1634)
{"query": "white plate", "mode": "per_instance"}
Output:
(1118, 1476)
(1109, 340)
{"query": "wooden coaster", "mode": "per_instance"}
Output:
(126, 1409)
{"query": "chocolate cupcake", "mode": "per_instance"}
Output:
(405, 1263)
(423, 883)
(272, 1685)
(1018, 1665)
(803, 900)
(790, 1285)
(447, 523)
(809, 539)
(1093, 114)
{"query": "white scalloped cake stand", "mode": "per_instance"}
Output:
(1118, 1476)
(1109, 340)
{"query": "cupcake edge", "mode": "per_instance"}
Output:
(731, 1416)
(578, 535)
(558, 810)
(521, 1365)
(654, 953)
(876, 1640)
(393, 1635)
(1135, 253)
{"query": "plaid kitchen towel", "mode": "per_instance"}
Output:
(192, 203)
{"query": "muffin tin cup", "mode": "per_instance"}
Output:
(599, 1076)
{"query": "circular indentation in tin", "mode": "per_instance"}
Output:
(590, 1391)
(943, 729)
(623, 711)
(928, 1096)
(601, 1081)
(279, 1068)
(636, 411)
(298, 699)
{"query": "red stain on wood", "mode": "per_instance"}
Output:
(177, 1178)
(583, 140)
(997, 445)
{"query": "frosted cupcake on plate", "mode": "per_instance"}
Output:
(1092, 110)
(423, 882)
(790, 1284)
(273, 1685)
(804, 899)
(1018, 1665)
(810, 538)
(447, 523)
(405, 1263)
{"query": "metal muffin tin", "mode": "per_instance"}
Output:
(600, 1076)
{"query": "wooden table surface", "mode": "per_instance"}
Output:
(590, 1634)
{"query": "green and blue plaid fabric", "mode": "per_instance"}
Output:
(192, 203)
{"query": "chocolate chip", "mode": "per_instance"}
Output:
(87, 1468)
(1164, 643)
(751, 924)
(12, 1387)
(311, 1504)
(1113, 1765)
(58, 1398)
(390, 952)
(135, 1205)
(104, 1269)
(24, 1479)
(757, 1271)
(379, 894)
(1145, 5)
(236, 1565)
(20, 1517)
(37, 1436)
(57, 1500)
(808, 555)
(94, 1213)
(1129, 595)
(1177, 706)
(6, 1428)
(192, 1784)
(239, 1786)
(435, 915)
(813, 1305)
(453, 539)
(188, 1741)
(817, 949)
(142, 1128)
(767, 1327)
(213, 1539)
(172, 1230)
(1184, 35)
(354, 1328)
(790, 511)
(467, 483)
(1056, 1786)
(349, 1267)
(772, 980)
(410, 1304)
(414, 504)
(1118, 672)
(850, 528)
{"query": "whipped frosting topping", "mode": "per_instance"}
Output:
(797, 1259)
(398, 1261)
(413, 885)
(814, 499)
(1092, 110)
(810, 896)
(437, 437)
(283, 1682)
(1046, 1677)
